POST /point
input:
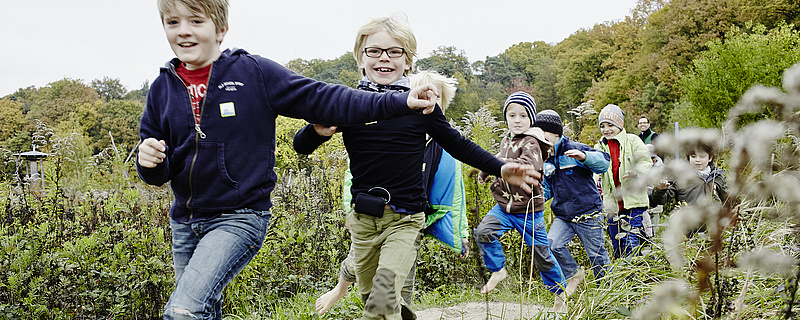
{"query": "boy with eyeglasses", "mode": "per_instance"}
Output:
(386, 159)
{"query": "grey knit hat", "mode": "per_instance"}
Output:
(549, 121)
(612, 114)
(524, 100)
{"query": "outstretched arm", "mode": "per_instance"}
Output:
(311, 137)
(521, 175)
(423, 97)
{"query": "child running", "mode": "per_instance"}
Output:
(446, 215)
(629, 159)
(518, 208)
(386, 160)
(206, 129)
(708, 185)
(577, 206)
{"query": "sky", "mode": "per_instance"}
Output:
(48, 40)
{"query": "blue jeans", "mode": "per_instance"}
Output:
(630, 243)
(533, 231)
(207, 256)
(590, 232)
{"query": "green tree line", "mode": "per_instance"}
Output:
(675, 61)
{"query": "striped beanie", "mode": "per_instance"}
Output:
(613, 115)
(524, 100)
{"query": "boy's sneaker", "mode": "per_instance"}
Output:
(573, 283)
(560, 305)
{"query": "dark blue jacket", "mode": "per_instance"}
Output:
(389, 154)
(225, 163)
(571, 182)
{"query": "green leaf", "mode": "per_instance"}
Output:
(623, 310)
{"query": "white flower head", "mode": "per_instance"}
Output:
(664, 297)
(769, 262)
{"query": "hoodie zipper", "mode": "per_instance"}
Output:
(199, 134)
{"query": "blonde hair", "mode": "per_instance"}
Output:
(397, 29)
(216, 10)
(447, 84)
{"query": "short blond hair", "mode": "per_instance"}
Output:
(448, 84)
(216, 10)
(397, 29)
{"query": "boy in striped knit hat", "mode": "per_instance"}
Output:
(515, 208)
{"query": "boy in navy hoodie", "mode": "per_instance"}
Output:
(215, 144)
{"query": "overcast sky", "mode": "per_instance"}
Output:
(48, 40)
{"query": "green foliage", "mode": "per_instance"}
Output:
(118, 124)
(12, 119)
(94, 255)
(448, 61)
(722, 74)
(338, 71)
(109, 89)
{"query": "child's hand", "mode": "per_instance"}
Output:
(423, 97)
(523, 176)
(324, 131)
(465, 246)
(663, 184)
(152, 152)
(575, 154)
(483, 177)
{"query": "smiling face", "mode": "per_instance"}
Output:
(193, 37)
(517, 118)
(700, 159)
(644, 124)
(383, 70)
(609, 130)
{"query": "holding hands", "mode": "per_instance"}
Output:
(521, 175)
(423, 97)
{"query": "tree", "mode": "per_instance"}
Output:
(579, 62)
(448, 61)
(12, 119)
(139, 94)
(342, 70)
(722, 74)
(57, 101)
(499, 69)
(120, 119)
(109, 89)
(535, 61)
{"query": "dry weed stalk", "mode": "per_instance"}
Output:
(763, 168)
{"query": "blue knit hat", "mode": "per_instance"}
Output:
(524, 100)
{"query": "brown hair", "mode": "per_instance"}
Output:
(216, 10)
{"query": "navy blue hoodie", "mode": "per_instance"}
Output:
(226, 162)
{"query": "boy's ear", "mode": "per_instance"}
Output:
(221, 34)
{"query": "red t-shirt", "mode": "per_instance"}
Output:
(196, 83)
(613, 151)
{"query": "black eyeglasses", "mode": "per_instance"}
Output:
(393, 52)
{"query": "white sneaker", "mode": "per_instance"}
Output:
(573, 283)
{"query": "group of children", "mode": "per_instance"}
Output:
(216, 149)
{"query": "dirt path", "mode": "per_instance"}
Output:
(477, 311)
